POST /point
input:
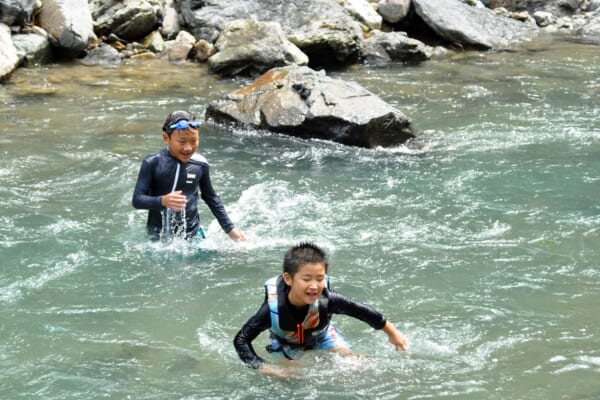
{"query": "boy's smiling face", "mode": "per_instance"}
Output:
(307, 284)
(183, 143)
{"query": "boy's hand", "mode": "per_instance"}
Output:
(236, 234)
(175, 201)
(276, 372)
(399, 341)
(395, 336)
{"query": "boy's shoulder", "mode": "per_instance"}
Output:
(153, 156)
(198, 159)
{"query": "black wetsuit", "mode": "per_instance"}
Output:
(335, 304)
(155, 179)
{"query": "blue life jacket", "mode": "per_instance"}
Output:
(283, 324)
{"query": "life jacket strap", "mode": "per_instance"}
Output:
(300, 333)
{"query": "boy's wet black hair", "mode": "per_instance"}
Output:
(303, 253)
(175, 117)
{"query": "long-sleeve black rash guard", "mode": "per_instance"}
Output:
(155, 179)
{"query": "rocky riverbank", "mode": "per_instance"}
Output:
(251, 37)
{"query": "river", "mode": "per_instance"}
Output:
(482, 246)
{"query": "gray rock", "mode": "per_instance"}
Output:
(154, 42)
(35, 49)
(384, 47)
(593, 5)
(68, 23)
(364, 12)
(130, 20)
(302, 102)
(590, 32)
(251, 47)
(544, 18)
(322, 29)
(203, 50)
(510, 5)
(393, 11)
(329, 43)
(459, 23)
(104, 54)
(170, 22)
(558, 8)
(9, 60)
(17, 12)
(179, 49)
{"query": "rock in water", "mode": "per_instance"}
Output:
(302, 102)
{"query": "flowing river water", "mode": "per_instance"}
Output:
(483, 246)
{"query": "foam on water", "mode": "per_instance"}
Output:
(16, 290)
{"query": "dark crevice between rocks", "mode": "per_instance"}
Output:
(321, 56)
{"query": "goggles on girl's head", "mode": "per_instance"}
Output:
(184, 124)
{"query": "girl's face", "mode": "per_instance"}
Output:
(306, 285)
(183, 143)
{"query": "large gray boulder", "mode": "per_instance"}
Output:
(252, 47)
(128, 19)
(302, 102)
(322, 29)
(468, 26)
(9, 60)
(69, 25)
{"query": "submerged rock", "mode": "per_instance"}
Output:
(302, 102)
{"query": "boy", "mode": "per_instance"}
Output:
(168, 182)
(297, 310)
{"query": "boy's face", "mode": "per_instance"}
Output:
(307, 284)
(183, 143)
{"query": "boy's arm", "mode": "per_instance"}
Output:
(395, 336)
(252, 328)
(213, 201)
(340, 304)
(141, 198)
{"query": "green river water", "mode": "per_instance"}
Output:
(483, 247)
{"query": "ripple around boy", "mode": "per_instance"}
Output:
(297, 311)
(168, 183)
